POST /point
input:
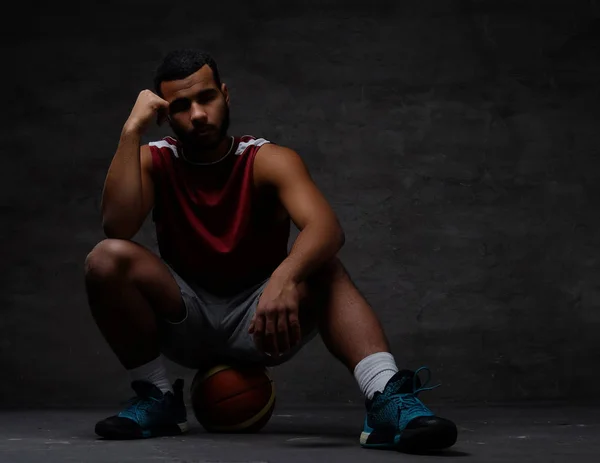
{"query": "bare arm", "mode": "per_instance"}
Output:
(128, 194)
(321, 235)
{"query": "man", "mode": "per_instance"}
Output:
(224, 287)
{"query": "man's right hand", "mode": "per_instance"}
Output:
(148, 107)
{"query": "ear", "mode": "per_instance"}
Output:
(225, 92)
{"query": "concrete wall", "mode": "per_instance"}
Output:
(457, 140)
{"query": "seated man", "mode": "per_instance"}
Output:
(225, 287)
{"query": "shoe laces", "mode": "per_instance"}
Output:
(138, 406)
(409, 401)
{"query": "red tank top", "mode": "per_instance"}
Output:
(209, 225)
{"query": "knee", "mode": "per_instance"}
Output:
(110, 258)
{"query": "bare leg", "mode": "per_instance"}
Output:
(127, 287)
(347, 323)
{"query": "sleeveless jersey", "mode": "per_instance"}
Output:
(211, 227)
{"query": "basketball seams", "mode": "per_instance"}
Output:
(257, 386)
(251, 421)
(213, 371)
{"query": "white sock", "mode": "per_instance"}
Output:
(154, 372)
(374, 371)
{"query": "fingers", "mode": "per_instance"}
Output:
(162, 114)
(270, 343)
(277, 331)
(283, 335)
(294, 329)
(264, 329)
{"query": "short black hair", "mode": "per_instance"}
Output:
(181, 63)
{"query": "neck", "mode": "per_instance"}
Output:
(207, 156)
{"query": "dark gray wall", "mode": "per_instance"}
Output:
(457, 140)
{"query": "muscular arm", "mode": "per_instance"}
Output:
(128, 194)
(321, 235)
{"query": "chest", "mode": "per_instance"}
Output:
(225, 197)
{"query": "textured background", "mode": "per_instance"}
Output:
(457, 140)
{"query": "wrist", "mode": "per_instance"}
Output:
(132, 127)
(285, 273)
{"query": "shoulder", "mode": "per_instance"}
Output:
(272, 152)
(275, 164)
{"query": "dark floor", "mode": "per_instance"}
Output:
(533, 434)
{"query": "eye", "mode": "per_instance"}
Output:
(178, 106)
(205, 98)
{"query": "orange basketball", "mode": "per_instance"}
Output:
(233, 399)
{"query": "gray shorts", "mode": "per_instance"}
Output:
(215, 329)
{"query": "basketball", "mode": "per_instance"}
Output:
(233, 399)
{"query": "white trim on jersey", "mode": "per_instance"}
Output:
(245, 144)
(165, 144)
(239, 151)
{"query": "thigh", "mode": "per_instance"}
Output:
(195, 341)
(187, 333)
(123, 261)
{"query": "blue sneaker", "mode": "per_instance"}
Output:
(149, 414)
(397, 419)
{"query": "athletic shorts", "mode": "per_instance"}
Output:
(215, 329)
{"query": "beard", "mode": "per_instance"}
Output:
(201, 143)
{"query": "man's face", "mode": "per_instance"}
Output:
(198, 109)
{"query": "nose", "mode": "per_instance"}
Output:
(198, 114)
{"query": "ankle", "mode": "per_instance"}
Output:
(374, 371)
(154, 372)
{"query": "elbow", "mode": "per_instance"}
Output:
(114, 231)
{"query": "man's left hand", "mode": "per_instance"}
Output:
(276, 324)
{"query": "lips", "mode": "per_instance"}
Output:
(204, 131)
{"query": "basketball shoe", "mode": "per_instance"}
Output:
(397, 419)
(149, 414)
